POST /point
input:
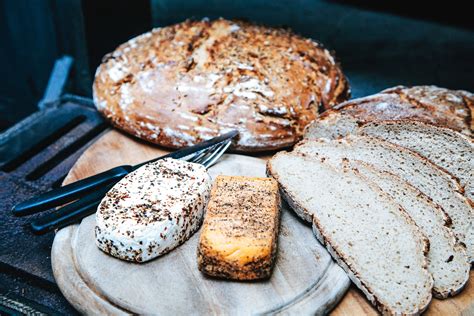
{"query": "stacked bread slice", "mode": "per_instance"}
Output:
(339, 184)
(445, 147)
(370, 236)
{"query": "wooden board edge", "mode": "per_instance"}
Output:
(73, 286)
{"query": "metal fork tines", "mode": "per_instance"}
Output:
(79, 189)
(81, 208)
(208, 157)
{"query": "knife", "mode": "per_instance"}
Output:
(78, 189)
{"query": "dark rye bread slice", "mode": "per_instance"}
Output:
(367, 233)
(181, 84)
(440, 186)
(447, 259)
(429, 104)
(445, 147)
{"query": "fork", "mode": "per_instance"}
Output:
(87, 205)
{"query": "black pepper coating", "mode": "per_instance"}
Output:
(239, 236)
(152, 210)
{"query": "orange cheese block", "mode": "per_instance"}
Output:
(240, 231)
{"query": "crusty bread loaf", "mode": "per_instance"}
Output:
(178, 85)
(447, 260)
(446, 148)
(152, 210)
(240, 231)
(429, 104)
(441, 187)
(366, 232)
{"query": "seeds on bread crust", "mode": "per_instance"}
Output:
(429, 104)
(178, 85)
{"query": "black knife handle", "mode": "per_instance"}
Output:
(70, 192)
(70, 213)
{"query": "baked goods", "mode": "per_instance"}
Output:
(152, 210)
(419, 172)
(367, 233)
(429, 104)
(239, 235)
(178, 85)
(446, 148)
(447, 260)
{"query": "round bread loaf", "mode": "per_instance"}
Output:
(179, 85)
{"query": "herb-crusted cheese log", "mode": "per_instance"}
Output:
(239, 235)
(152, 210)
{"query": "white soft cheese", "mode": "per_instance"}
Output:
(152, 210)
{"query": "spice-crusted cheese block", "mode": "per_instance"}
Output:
(429, 104)
(239, 235)
(152, 210)
(366, 232)
(178, 85)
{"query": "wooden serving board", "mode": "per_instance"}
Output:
(305, 280)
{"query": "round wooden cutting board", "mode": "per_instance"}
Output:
(305, 280)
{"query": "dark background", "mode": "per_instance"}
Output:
(380, 43)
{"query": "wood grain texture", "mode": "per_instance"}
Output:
(305, 279)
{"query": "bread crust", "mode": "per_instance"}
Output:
(178, 85)
(429, 104)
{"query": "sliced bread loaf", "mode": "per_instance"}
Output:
(430, 104)
(447, 260)
(441, 187)
(366, 232)
(445, 147)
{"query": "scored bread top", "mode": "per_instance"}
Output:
(178, 85)
(429, 104)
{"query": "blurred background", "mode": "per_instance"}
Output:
(380, 43)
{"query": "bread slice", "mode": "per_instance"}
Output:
(152, 210)
(332, 124)
(445, 147)
(366, 232)
(441, 187)
(447, 260)
(239, 235)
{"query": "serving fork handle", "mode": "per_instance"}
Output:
(70, 213)
(71, 191)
